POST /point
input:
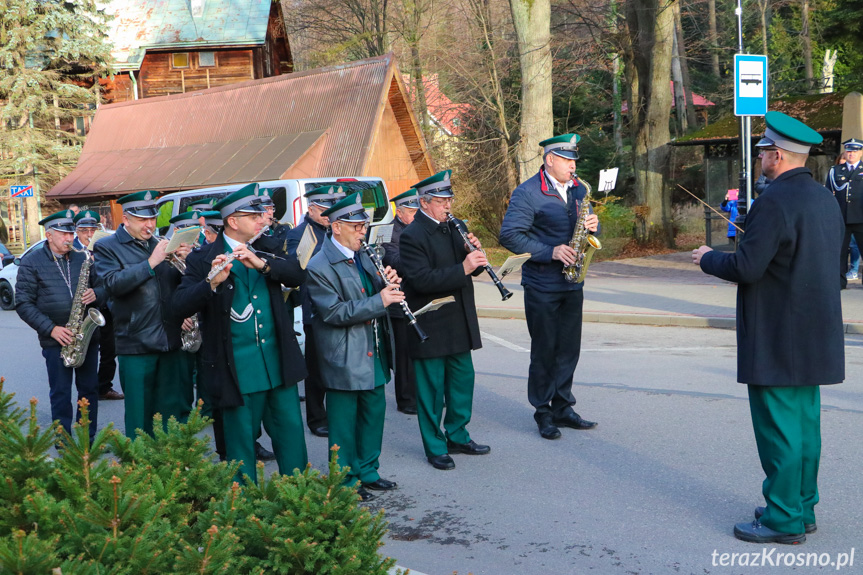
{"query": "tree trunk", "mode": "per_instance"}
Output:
(618, 120)
(532, 21)
(684, 69)
(763, 7)
(419, 86)
(807, 44)
(679, 99)
(713, 38)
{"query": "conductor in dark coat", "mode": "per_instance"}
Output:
(789, 326)
(435, 263)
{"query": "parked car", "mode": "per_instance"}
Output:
(8, 275)
(6, 257)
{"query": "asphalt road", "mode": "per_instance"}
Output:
(656, 488)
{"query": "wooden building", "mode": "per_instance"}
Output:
(348, 120)
(164, 47)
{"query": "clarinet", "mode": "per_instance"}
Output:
(408, 313)
(505, 294)
(230, 257)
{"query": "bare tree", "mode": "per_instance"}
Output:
(340, 29)
(807, 44)
(713, 38)
(410, 21)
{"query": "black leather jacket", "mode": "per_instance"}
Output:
(141, 297)
(43, 300)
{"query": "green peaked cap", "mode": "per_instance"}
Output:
(325, 196)
(87, 219)
(186, 219)
(213, 218)
(244, 200)
(61, 221)
(788, 133)
(349, 209)
(565, 146)
(438, 185)
(141, 204)
(408, 199)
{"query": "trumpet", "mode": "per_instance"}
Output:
(173, 259)
(412, 320)
(505, 294)
(230, 257)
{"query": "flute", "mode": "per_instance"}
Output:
(505, 294)
(230, 257)
(370, 251)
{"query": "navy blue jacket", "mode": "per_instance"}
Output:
(789, 311)
(847, 185)
(293, 240)
(43, 300)
(536, 221)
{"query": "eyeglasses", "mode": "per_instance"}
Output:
(255, 215)
(356, 227)
(763, 151)
(442, 201)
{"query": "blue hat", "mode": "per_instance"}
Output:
(244, 200)
(349, 209)
(408, 199)
(565, 146)
(853, 145)
(61, 221)
(140, 204)
(788, 134)
(325, 196)
(87, 219)
(213, 219)
(185, 220)
(437, 186)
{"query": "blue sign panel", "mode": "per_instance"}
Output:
(21, 191)
(750, 85)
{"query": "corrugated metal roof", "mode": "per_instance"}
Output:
(239, 133)
(141, 24)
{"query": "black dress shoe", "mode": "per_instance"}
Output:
(755, 532)
(547, 429)
(574, 421)
(381, 485)
(443, 462)
(469, 448)
(408, 409)
(262, 453)
(364, 495)
(322, 431)
(809, 527)
(111, 394)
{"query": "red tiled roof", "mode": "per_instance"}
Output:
(443, 111)
(698, 100)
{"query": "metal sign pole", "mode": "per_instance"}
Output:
(743, 202)
(21, 228)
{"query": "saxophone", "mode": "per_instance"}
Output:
(83, 321)
(583, 242)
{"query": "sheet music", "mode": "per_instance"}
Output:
(98, 235)
(512, 264)
(434, 304)
(381, 234)
(607, 179)
(306, 247)
(185, 236)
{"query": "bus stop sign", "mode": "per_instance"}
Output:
(750, 85)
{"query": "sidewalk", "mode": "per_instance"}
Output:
(657, 290)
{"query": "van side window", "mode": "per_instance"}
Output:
(165, 214)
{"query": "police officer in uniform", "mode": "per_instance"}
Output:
(319, 200)
(790, 335)
(132, 265)
(846, 183)
(250, 356)
(540, 220)
(406, 205)
(352, 331)
(436, 263)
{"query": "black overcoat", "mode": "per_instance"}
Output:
(431, 268)
(219, 372)
(789, 311)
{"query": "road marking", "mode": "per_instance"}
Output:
(504, 343)
(657, 349)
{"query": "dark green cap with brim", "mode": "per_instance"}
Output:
(140, 204)
(349, 209)
(244, 200)
(62, 221)
(437, 186)
(565, 146)
(201, 205)
(408, 199)
(266, 200)
(325, 196)
(787, 133)
(185, 220)
(213, 218)
(87, 219)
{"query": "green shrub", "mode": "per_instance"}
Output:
(163, 505)
(617, 221)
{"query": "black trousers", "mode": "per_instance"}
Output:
(405, 379)
(316, 412)
(554, 323)
(857, 231)
(60, 379)
(107, 353)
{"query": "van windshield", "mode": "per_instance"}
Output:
(374, 195)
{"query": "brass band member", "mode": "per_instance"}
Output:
(436, 263)
(132, 265)
(540, 220)
(352, 332)
(86, 224)
(47, 283)
(250, 357)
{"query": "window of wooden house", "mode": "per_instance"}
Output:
(180, 60)
(206, 59)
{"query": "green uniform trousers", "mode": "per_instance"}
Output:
(356, 421)
(155, 383)
(787, 423)
(449, 378)
(279, 409)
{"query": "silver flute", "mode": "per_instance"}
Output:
(230, 257)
